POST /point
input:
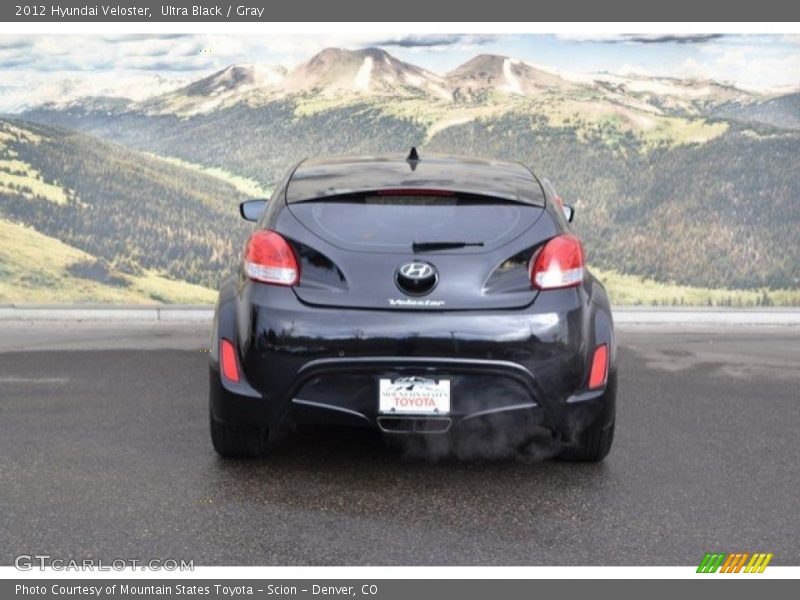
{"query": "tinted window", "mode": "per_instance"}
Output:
(395, 222)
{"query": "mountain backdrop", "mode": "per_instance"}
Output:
(691, 184)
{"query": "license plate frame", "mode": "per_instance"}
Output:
(412, 395)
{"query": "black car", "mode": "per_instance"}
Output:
(422, 296)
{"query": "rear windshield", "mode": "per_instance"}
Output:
(395, 222)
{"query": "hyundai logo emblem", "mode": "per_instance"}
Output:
(416, 278)
(416, 270)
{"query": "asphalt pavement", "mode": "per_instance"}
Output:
(104, 452)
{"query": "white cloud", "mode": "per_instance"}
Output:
(756, 65)
(28, 90)
(590, 37)
(690, 69)
(642, 38)
(752, 61)
(628, 69)
(759, 63)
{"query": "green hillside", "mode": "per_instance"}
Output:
(136, 216)
(676, 197)
(782, 112)
(39, 269)
(257, 143)
(686, 189)
(645, 291)
(718, 214)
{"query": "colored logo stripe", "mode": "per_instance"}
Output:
(733, 563)
(758, 563)
(711, 563)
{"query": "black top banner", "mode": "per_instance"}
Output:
(396, 11)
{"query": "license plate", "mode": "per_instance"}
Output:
(414, 395)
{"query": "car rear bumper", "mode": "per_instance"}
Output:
(517, 369)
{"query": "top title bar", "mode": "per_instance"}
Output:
(397, 11)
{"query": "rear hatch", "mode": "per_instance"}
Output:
(355, 250)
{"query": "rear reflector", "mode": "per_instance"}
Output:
(268, 258)
(227, 355)
(597, 377)
(559, 264)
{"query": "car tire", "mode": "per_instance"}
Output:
(232, 441)
(593, 445)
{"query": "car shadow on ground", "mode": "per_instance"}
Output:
(354, 475)
(355, 454)
(331, 445)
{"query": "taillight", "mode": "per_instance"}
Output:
(599, 371)
(227, 358)
(559, 264)
(269, 258)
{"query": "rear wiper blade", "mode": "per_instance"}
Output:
(429, 246)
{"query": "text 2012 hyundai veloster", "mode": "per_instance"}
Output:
(420, 295)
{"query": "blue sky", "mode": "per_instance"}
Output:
(752, 61)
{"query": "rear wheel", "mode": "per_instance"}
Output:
(233, 441)
(593, 445)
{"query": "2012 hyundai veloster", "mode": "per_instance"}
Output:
(422, 296)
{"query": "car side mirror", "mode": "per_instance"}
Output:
(569, 212)
(251, 210)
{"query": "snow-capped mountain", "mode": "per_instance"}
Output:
(489, 72)
(331, 73)
(347, 75)
(225, 87)
(370, 71)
